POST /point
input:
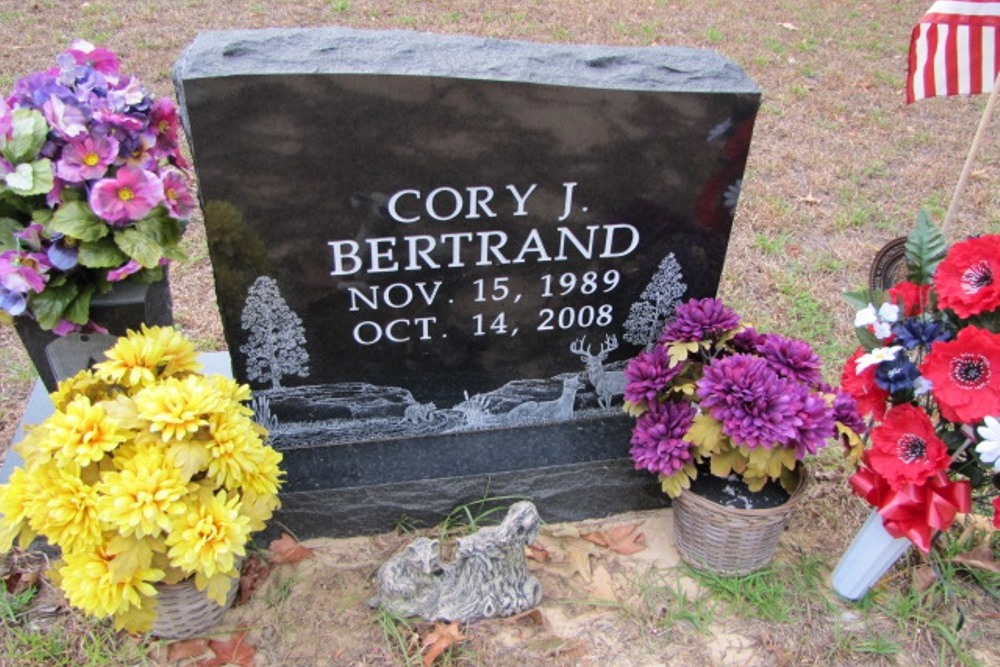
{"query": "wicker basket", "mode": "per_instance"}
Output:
(729, 540)
(182, 611)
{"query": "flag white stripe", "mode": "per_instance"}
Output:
(967, 8)
(964, 62)
(940, 62)
(989, 57)
(920, 44)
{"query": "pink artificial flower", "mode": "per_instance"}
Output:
(64, 327)
(87, 159)
(124, 271)
(67, 120)
(23, 271)
(5, 117)
(130, 195)
(176, 195)
(85, 53)
(164, 124)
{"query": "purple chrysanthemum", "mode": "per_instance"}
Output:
(657, 439)
(792, 359)
(647, 374)
(815, 423)
(845, 410)
(700, 319)
(747, 341)
(756, 407)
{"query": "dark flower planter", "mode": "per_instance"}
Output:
(127, 306)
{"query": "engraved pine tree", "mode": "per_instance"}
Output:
(276, 340)
(656, 304)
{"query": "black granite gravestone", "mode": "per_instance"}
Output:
(434, 254)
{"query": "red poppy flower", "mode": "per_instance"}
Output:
(910, 297)
(968, 279)
(871, 398)
(965, 373)
(905, 448)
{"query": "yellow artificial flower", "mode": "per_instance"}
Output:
(94, 582)
(209, 537)
(61, 506)
(232, 447)
(82, 433)
(176, 408)
(142, 497)
(233, 391)
(259, 508)
(14, 502)
(84, 383)
(265, 479)
(140, 358)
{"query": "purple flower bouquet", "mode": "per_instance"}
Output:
(93, 187)
(714, 391)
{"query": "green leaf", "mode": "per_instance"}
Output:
(101, 254)
(139, 247)
(50, 305)
(28, 132)
(160, 227)
(29, 179)
(76, 219)
(925, 248)
(78, 311)
(859, 299)
(9, 227)
(868, 339)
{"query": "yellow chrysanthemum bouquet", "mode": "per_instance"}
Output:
(146, 472)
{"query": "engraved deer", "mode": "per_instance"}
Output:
(558, 409)
(607, 384)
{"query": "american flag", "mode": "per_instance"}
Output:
(955, 50)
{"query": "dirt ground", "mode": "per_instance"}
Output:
(607, 608)
(838, 166)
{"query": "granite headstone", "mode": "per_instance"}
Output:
(434, 254)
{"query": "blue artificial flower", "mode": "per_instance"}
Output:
(915, 332)
(62, 253)
(897, 374)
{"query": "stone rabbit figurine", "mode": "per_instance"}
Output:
(488, 577)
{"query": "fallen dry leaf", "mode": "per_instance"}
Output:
(537, 551)
(233, 651)
(924, 577)
(561, 530)
(439, 640)
(981, 557)
(602, 586)
(620, 539)
(579, 562)
(788, 26)
(534, 615)
(254, 573)
(188, 648)
(286, 549)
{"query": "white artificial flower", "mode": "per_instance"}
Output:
(865, 317)
(877, 356)
(888, 312)
(882, 330)
(989, 448)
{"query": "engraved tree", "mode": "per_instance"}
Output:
(656, 304)
(276, 339)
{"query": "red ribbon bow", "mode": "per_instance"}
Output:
(914, 511)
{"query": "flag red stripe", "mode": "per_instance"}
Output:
(950, 83)
(930, 85)
(955, 49)
(975, 57)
